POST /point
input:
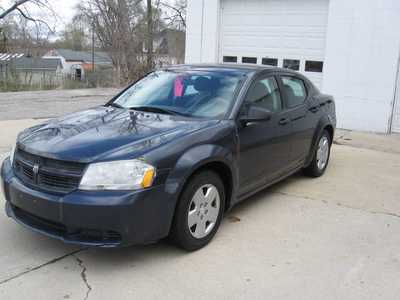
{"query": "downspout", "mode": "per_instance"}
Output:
(202, 31)
(396, 96)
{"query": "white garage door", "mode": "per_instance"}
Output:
(286, 33)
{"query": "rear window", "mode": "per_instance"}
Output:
(295, 91)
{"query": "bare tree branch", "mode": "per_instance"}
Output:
(12, 8)
(178, 13)
(34, 20)
(119, 27)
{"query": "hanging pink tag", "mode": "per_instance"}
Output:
(178, 87)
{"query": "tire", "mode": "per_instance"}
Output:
(318, 165)
(199, 211)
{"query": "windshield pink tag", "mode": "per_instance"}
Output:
(178, 87)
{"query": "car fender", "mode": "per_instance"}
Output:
(192, 160)
(322, 123)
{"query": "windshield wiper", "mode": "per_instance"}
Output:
(156, 109)
(113, 104)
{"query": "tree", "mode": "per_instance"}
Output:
(117, 27)
(21, 30)
(175, 14)
(19, 6)
(126, 29)
(150, 35)
(12, 8)
(75, 36)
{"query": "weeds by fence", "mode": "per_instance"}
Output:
(12, 80)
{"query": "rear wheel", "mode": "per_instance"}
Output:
(199, 211)
(321, 156)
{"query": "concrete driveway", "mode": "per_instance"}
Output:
(48, 104)
(336, 237)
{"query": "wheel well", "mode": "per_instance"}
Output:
(224, 172)
(330, 130)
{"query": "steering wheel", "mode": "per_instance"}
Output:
(212, 103)
(198, 99)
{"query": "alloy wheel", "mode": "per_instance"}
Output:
(203, 211)
(322, 152)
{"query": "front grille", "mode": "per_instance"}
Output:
(52, 175)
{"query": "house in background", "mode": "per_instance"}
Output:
(168, 47)
(76, 63)
(6, 64)
(39, 71)
(30, 71)
(350, 49)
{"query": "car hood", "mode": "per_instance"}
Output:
(104, 133)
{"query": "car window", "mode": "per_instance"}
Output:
(295, 90)
(265, 93)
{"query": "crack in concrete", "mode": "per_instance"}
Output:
(337, 140)
(42, 265)
(374, 212)
(89, 96)
(84, 276)
(344, 140)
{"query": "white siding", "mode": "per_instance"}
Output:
(358, 40)
(202, 31)
(363, 43)
(283, 29)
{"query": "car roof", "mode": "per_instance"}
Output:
(244, 68)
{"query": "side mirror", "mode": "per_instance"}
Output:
(255, 114)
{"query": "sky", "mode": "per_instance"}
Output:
(65, 9)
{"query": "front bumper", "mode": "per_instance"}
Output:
(98, 218)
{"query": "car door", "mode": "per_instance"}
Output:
(297, 97)
(265, 145)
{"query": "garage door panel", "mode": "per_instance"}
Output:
(282, 29)
(301, 18)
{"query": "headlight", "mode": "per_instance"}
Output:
(118, 175)
(12, 153)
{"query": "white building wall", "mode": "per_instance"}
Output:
(361, 58)
(363, 44)
(68, 67)
(202, 33)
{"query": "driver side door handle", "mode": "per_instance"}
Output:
(284, 121)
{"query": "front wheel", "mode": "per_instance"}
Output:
(199, 211)
(321, 156)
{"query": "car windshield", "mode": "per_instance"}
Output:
(202, 94)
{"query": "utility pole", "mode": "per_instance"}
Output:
(149, 35)
(93, 47)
